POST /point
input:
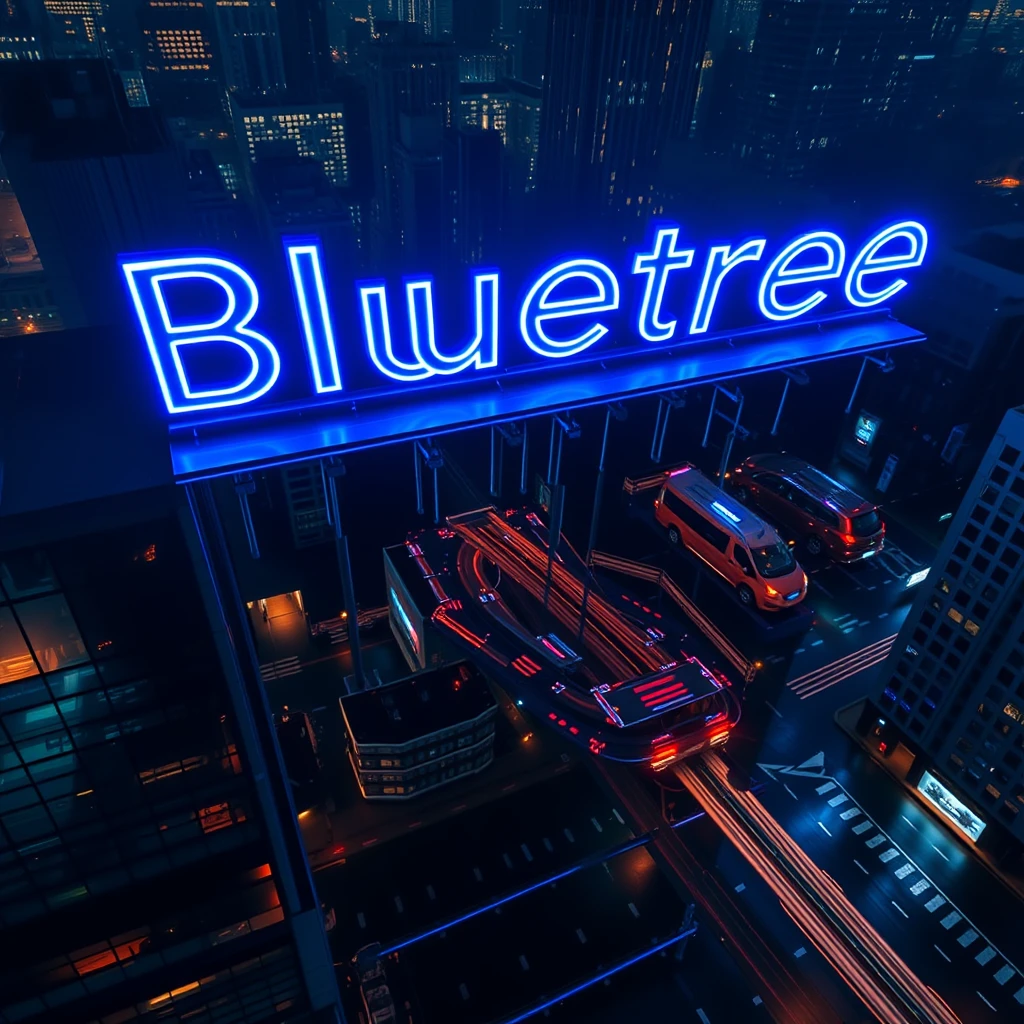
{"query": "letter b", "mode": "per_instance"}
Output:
(168, 337)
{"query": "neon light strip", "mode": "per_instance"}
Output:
(723, 511)
(587, 862)
(590, 982)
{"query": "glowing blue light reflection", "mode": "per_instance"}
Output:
(868, 261)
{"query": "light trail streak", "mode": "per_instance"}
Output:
(862, 957)
(843, 668)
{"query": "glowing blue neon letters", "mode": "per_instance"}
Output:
(165, 338)
(562, 314)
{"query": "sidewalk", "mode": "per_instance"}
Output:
(846, 718)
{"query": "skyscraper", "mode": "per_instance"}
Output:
(820, 72)
(531, 28)
(178, 36)
(305, 47)
(408, 75)
(77, 27)
(955, 678)
(620, 82)
(315, 131)
(250, 46)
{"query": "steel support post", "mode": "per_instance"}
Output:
(334, 468)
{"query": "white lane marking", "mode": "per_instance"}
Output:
(967, 938)
(508, 860)
(398, 904)
(907, 869)
(943, 955)
(704, 1019)
(523, 962)
(940, 853)
(581, 936)
(953, 917)
(800, 952)
(851, 813)
(430, 893)
(900, 909)
(934, 903)
(861, 866)
(988, 953)
(633, 910)
(825, 788)
(984, 1000)
(526, 852)
(618, 817)
(920, 886)
(774, 708)
(817, 643)
(1004, 974)
(839, 798)
(790, 792)
(863, 827)
(463, 991)
(741, 887)
(568, 835)
(825, 830)
(361, 918)
(874, 841)
(596, 824)
(909, 822)
(890, 854)
(547, 845)
(758, 1000)
(884, 615)
(478, 875)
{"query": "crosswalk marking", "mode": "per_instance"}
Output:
(271, 670)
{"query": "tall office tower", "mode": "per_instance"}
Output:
(620, 84)
(531, 32)
(405, 74)
(475, 190)
(476, 22)
(178, 36)
(250, 46)
(820, 72)
(314, 131)
(77, 28)
(522, 136)
(94, 176)
(151, 864)
(305, 47)
(955, 677)
(22, 35)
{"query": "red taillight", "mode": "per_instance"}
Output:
(848, 539)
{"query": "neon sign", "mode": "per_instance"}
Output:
(200, 315)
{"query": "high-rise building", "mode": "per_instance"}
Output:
(250, 46)
(620, 83)
(94, 177)
(820, 72)
(178, 36)
(77, 28)
(531, 31)
(305, 47)
(315, 131)
(22, 35)
(476, 22)
(151, 865)
(955, 678)
(406, 74)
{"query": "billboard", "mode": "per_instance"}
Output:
(384, 360)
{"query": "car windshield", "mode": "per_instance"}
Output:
(865, 524)
(773, 560)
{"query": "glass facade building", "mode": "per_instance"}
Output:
(144, 874)
(955, 678)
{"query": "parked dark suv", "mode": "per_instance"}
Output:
(826, 515)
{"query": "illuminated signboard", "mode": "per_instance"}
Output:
(217, 356)
(947, 804)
